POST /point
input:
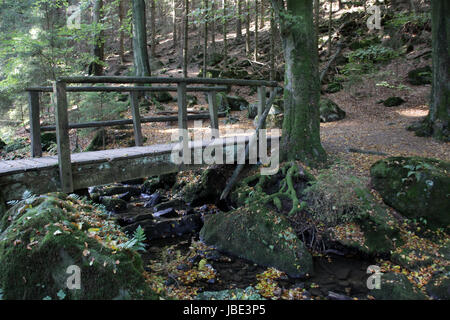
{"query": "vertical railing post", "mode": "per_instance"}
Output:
(62, 136)
(182, 106)
(261, 101)
(136, 118)
(35, 125)
(213, 114)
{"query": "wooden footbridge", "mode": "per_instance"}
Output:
(68, 172)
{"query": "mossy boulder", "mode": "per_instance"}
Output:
(164, 181)
(420, 76)
(393, 102)
(162, 97)
(416, 187)
(214, 58)
(16, 145)
(374, 233)
(330, 111)
(237, 103)
(41, 237)
(439, 286)
(260, 235)
(208, 187)
(396, 286)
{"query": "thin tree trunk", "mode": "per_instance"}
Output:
(185, 38)
(96, 67)
(153, 27)
(239, 20)
(205, 37)
(225, 28)
(174, 23)
(255, 53)
(317, 18)
(272, 45)
(141, 60)
(121, 34)
(330, 27)
(247, 28)
(213, 26)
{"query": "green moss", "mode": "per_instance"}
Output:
(395, 286)
(258, 234)
(416, 187)
(43, 238)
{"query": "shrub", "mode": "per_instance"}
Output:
(337, 197)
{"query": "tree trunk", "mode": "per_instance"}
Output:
(440, 93)
(153, 27)
(205, 37)
(141, 61)
(247, 28)
(96, 67)
(330, 27)
(225, 28)
(185, 38)
(255, 53)
(301, 125)
(272, 45)
(174, 23)
(213, 26)
(121, 34)
(239, 20)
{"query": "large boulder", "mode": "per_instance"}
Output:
(420, 76)
(260, 235)
(208, 187)
(164, 181)
(396, 286)
(42, 238)
(330, 111)
(416, 187)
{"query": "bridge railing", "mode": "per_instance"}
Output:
(62, 127)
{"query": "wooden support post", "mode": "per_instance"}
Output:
(182, 106)
(213, 114)
(35, 125)
(261, 102)
(62, 136)
(136, 118)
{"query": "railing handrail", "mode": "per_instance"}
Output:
(149, 80)
(127, 89)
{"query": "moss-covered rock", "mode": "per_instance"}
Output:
(113, 204)
(43, 236)
(208, 188)
(16, 145)
(439, 286)
(396, 286)
(330, 111)
(164, 181)
(416, 187)
(393, 102)
(162, 97)
(420, 76)
(259, 235)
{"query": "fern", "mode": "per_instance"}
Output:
(137, 242)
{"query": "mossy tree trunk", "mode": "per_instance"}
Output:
(96, 67)
(141, 59)
(301, 125)
(439, 115)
